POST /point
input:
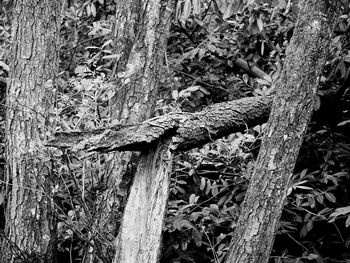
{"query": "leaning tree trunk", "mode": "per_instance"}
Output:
(140, 235)
(291, 111)
(141, 34)
(30, 222)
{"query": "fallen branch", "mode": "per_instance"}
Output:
(188, 130)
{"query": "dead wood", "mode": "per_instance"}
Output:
(188, 130)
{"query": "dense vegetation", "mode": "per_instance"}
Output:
(209, 183)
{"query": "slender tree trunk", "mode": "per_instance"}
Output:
(142, 30)
(291, 111)
(140, 235)
(30, 221)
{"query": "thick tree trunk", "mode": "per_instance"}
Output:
(30, 221)
(141, 34)
(291, 111)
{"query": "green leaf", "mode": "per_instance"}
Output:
(93, 10)
(312, 256)
(197, 237)
(202, 186)
(263, 82)
(347, 223)
(193, 199)
(214, 207)
(304, 187)
(207, 190)
(330, 197)
(340, 211)
(260, 24)
(111, 56)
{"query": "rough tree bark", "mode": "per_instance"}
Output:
(120, 165)
(291, 111)
(140, 235)
(146, 56)
(30, 231)
(142, 29)
(188, 130)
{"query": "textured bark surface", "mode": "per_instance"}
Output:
(141, 33)
(189, 130)
(136, 86)
(120, 167)
(291, 111)
(140, 235)
(145, 60)
(30, 222)
(125, 31)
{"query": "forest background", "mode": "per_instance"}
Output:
(217, 51)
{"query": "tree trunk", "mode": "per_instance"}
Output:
(146, 58)
(140, 235)
(142, 50)
(291, 111)
(125, 32)
(120, 166)
(30, 221)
